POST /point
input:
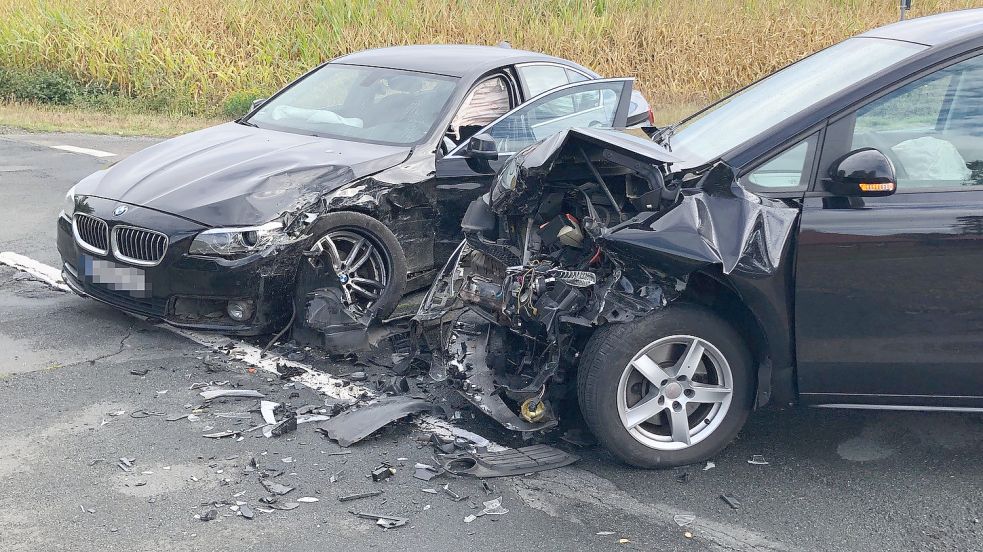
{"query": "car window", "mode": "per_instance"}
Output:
(588, 105)
(538, 78)
(785, 170)
(930, 128)
(487, 102)
(351, 102)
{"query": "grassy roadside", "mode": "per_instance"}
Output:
(43, 118)
(47, 118)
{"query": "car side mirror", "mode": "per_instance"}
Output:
(481, 146)
(256, 103)
(865, 172)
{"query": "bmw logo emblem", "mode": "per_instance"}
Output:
(120, 210)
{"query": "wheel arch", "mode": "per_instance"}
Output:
(718, 293)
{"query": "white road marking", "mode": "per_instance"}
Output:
(47, 274)
(86, 151)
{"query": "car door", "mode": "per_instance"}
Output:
(889, 292)
(461, 179)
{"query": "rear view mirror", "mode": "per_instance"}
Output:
(864, 172)
(256, 103)
(481, 146)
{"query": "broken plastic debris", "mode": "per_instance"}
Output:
(454, 496)
(387, 522)
(508, 462)
(491, 508)
(757, 460)
(139, 371)
(209, 515)
(349, 498)
(426, 472)
(266, 408)
(274, 487)
(243, 393)
(307, 499)
(683, 520)
(709, 466)
(287, 425)
(355, 425)
(245, 511)
(221, 434)
(384, 471)
(731, 501)
(285, 506)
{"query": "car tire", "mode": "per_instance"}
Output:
(350, 226)
(614, 379)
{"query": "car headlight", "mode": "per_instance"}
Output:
(237, 241)
(68, 205)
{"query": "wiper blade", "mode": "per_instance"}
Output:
(247, 123)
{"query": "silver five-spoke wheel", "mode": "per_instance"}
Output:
(675, 392)
(361, 267)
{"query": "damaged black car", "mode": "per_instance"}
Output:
(808, 239)
(354, 177)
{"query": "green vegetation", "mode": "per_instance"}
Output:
(211, 58)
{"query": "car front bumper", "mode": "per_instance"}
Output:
(183, 290)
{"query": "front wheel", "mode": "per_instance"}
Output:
(367, 258)
(670, 389)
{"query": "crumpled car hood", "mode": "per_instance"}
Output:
(232, 174)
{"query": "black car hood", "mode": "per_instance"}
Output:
(233, 174)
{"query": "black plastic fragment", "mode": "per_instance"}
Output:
(357, 496)
(355, 425)
(509, 462)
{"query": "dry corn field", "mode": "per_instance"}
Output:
(200, 52)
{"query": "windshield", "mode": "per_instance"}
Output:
(364, 104)
(781, 95)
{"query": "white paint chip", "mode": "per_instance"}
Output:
(86, 151)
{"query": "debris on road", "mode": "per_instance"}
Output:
(757, 460)
(353, 426)
(235, 393)
(731, 501)
(285, 426)
(508, 462)
(492, 508)
(358, 496)
(683, 520)
(382, 472)
(221, 434)
(709, 466)
(307, 499)
(274, 487)
(454, 496)
(266, 408)
(210, 515)
(139, 371)
(426, 472)
(245, 511)
(384, 521)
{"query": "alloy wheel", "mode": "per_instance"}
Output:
(675, 392)
(360, 263)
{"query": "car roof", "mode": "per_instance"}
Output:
(453, 60)
(934, 30)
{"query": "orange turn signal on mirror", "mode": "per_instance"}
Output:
(869, 187)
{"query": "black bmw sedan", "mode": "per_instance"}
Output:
(356, 176)
(816, 238)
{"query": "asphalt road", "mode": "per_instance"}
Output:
(836, 480)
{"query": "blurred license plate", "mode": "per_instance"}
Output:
(116, 277)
